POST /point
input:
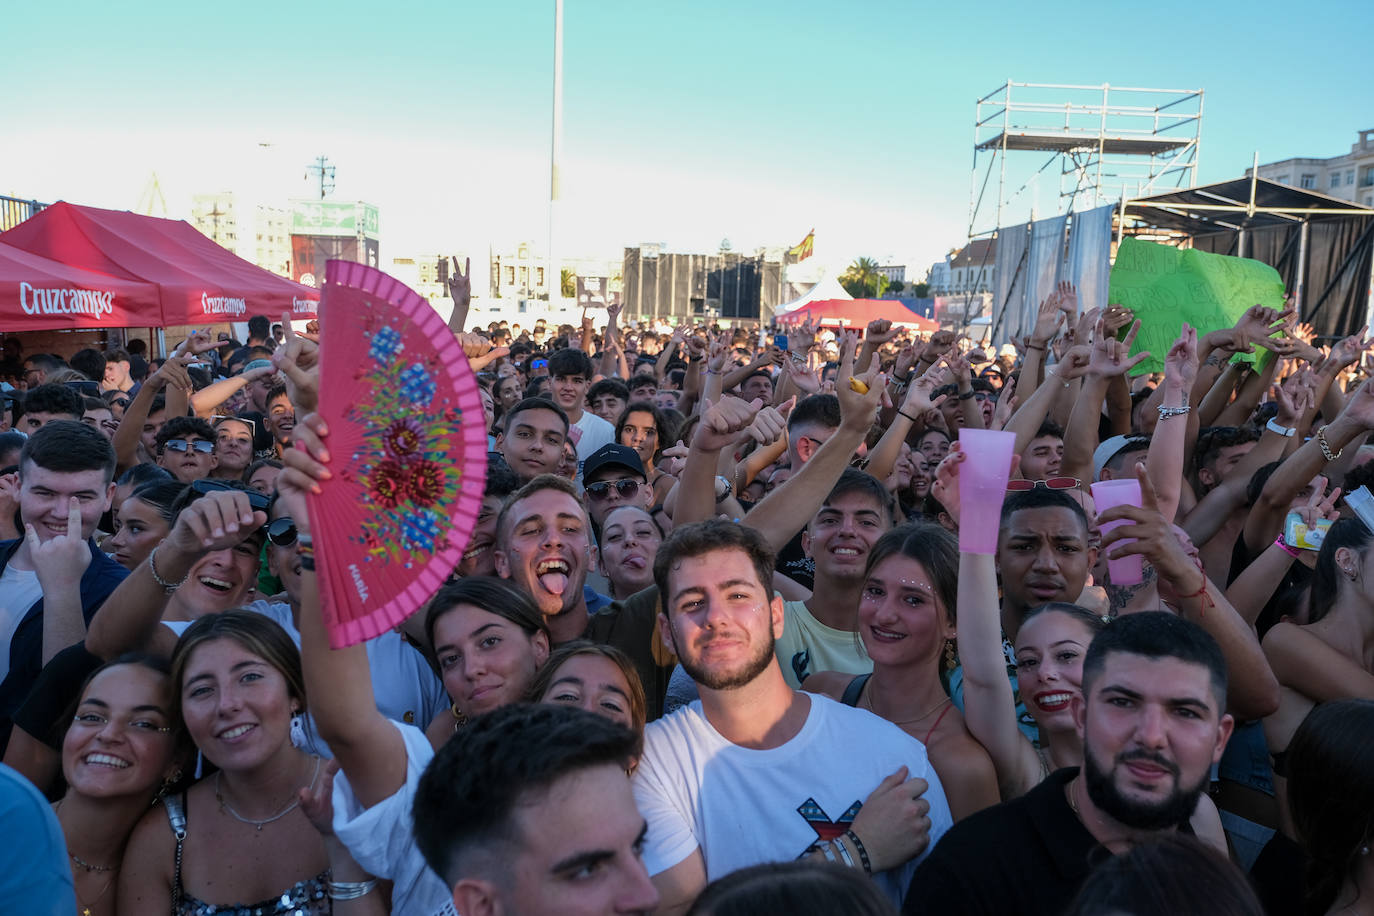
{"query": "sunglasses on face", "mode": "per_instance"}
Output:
(206, 486)
(187, 445)
(602, 489)
(282, 532)
(1052, 483)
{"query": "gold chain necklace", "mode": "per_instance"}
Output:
(868, 698)
(86, 907)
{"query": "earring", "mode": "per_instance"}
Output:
(951, 662)
(459, 718)
(298, 738)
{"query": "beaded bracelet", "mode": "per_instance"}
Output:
(863, 853)
(168, 587)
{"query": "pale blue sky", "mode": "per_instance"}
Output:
(684, 123)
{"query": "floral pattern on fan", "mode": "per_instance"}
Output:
(401, 462)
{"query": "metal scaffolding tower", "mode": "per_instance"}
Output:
(1108, 142)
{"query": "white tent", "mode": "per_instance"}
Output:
(829, 288)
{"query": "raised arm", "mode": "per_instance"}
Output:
(130, 619)
(126, 437)
(719, 426)
(1110, 358)
(1029, 416)
(460, 291)
(787, 509)
(989, 705)
(914, 404)
(1266, 516)
(205, 401)
(339, 682)
(1253, 692)
(1164, 458)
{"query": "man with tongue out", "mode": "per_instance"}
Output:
(544, 545)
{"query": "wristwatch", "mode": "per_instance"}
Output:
(723, 487)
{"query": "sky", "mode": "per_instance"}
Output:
(684, 123)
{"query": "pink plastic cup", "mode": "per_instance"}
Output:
(1106, 494)
(982, 486)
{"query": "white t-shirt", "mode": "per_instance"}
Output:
(405, 687)
(596, 432)
(382, 838)
(19, 591)
(743, 807)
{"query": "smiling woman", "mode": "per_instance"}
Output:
(907, 625)
(237, 684)
(121, 750)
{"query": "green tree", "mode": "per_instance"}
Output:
(567, 283)
(921, 290)
(895, 287)
(862, 279)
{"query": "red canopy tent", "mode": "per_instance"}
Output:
(37, 294)
(853, 313)
(198, 282)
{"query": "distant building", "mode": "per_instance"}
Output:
(1349, 176)
(428, 275)
(965, 271)
(324, 230)
(518, 273)
(725, 284)
(255, 232)
(893, 273)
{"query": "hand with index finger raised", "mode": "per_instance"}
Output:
(1155, 539)
(63, 558)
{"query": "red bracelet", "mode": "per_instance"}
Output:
(1292, 552)
(1200, 593)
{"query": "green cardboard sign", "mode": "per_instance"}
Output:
(1166, 286)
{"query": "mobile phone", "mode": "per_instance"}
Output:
(90, 389)
(780, 341)
(1297, 535)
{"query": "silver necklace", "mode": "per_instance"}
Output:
(229, 809)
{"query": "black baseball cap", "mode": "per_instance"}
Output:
(612, 455)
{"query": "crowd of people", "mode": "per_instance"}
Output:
(712, 646)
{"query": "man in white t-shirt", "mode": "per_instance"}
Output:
(755, 771)
(571, 372)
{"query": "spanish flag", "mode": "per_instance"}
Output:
(805, 248)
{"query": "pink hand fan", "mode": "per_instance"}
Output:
(408, 440)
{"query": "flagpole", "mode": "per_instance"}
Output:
(554, 275)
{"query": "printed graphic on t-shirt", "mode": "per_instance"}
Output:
(825, 828)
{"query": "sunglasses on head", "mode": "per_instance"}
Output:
(1052, 483)
(187, 445)
(205, 486)
(220, 419)
(282, 532)
(602, 489)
